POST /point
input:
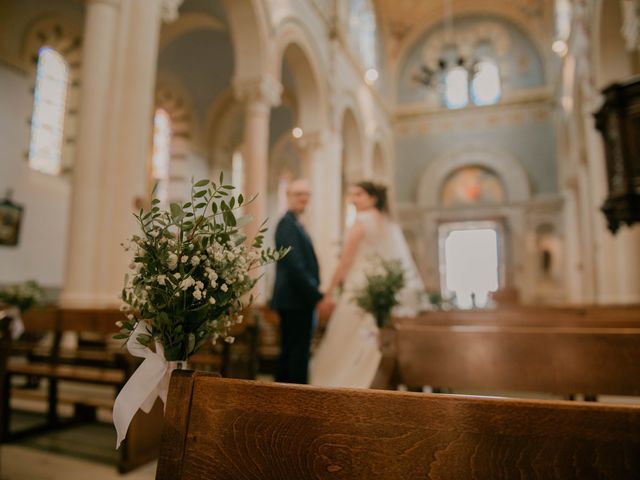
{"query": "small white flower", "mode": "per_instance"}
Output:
(130, 316)
(161, 279)
(229, 339)
(195, 261)
(224, 287)
(197, 294)
(184, 258)
(172, 261)
(212, 300)
(186, 283)
(147, 287)
(119, 324)
(199, 285)
(176, 275)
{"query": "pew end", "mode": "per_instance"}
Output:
(221, 428)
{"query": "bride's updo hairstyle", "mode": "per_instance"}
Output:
(379, 192)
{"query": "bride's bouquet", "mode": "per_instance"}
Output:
(379, 294)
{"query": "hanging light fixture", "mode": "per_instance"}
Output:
(434, 77)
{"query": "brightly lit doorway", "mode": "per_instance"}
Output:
(470, 261)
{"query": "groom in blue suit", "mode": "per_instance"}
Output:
(296, 291)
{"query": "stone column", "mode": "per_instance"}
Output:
(111, 173)
(259, 95)
(101, 24)
(127, 171)
(321, 166)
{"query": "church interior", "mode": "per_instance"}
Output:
(506, 132)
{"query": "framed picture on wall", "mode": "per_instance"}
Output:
(10, 219)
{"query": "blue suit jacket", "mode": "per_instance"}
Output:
(297, 274)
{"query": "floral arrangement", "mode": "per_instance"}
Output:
(191, 271)
(379, 293)
(24, 296)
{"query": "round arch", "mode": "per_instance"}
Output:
(508, 168)
(295, 46)
(249, 25)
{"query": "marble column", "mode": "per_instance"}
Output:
(114, 142)
(259, 96)
(101, 25)
(321, 166)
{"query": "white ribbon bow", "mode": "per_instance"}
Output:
(16, 327)
(149, 381)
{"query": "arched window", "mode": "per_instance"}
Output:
(363, 32)
(456, 88)
(485, 87)
(161, 154)
(49, 107)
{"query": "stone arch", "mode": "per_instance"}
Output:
(249, 29)
(188, 22)
(295, 46)
(508, 168)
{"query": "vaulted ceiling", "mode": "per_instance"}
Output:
(403, 21)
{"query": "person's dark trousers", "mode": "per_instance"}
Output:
(296, 329)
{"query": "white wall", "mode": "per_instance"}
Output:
(40, 254)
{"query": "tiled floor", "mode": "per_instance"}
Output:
(24, 463)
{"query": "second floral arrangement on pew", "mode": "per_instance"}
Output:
(191, 271)
(380, 292)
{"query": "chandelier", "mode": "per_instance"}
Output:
(434, 77)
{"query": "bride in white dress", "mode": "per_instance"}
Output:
(349, 353)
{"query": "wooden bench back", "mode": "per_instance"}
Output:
(40, 320)
(219, 429)
(521, 359)
(532, 316)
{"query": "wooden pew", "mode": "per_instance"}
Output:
(102, 362)
(592, 316)
(221, 429)
(5, 347)
(562, 360)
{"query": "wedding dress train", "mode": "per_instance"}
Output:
(349, 353)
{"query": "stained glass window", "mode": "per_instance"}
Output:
(485, 87)
(49, 107)
(456, 88)
(161, 153)
(363, 33)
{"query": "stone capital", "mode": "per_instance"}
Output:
(312, 141)
(264, 89)
(170, 10)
